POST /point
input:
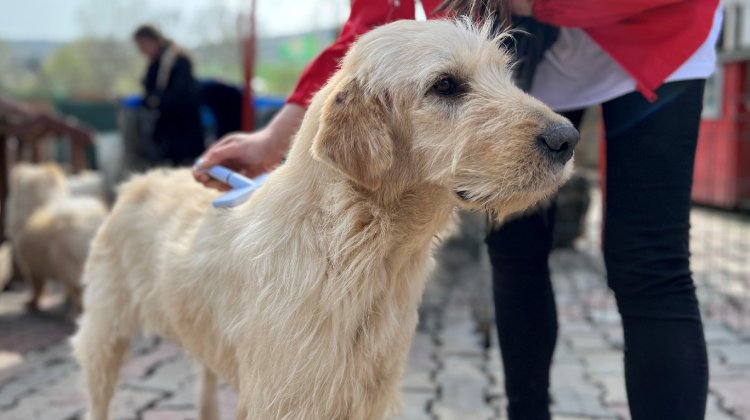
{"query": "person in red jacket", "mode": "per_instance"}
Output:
(645, 62)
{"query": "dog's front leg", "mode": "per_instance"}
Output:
(35, 281)
(395, 407)
(208, 406)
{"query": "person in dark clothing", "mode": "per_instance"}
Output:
(225, 103)
(650, 152)
(171, 90)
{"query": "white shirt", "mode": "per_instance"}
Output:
(576, 73)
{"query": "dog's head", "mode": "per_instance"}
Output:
(433, 103)
(30, 187)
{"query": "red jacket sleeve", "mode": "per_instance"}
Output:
(591, 13)
(364, 15)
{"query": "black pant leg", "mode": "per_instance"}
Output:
(525, 312)
(650, 154)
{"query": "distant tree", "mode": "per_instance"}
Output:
(277, 78)
(212, 28)
(7, 63)
(89, 66)
(104, 62)
(117, 18)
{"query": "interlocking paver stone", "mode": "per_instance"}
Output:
(170, 414)
(39, 377)
(420, 365)
(735, 355)
(732, 393)
(462, 390)
(129, 403)
(717, 333)
(416, 406)
(138, 365)
(574, 394)
(460, 339)
(589, 343)
(168, 376)
(714, 411)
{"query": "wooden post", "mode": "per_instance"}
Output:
(248, 111)
(3, 182)
(36, 151)
(77, 154)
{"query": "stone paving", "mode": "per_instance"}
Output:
(454, 369)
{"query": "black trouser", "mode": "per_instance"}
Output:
(650, 153)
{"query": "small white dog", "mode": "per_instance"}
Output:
(50, 230)
(305, 297)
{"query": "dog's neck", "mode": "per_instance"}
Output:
(409, 217)
(410, 214)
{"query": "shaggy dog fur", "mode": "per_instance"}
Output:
(50, 230)
(305, 297)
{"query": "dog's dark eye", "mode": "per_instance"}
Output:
(446, 87)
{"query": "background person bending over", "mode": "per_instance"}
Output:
(646, 62)
(171, 93)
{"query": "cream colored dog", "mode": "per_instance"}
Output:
(50, 230)
(305, 297)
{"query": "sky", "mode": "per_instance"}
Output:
(185, 20)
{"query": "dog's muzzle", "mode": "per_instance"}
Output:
(558, 142)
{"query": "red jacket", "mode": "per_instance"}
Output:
(650, 39)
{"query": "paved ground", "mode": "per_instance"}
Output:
(454, 370)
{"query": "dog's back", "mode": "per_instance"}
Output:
(151, 208)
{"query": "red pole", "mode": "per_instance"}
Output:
(248, 111)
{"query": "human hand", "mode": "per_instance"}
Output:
(248, 154)
(255, 153)
(522, 7)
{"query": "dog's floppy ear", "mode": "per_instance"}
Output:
(353, 136)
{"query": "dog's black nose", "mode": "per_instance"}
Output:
(558, 141)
